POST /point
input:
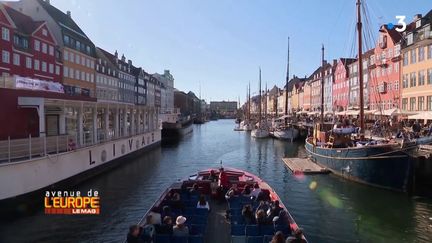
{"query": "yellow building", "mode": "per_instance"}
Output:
(416, 72)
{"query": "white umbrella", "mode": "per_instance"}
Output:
(423, 115)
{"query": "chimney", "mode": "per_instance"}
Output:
(69, 14)
(417, 16)
(334, 62)
(116, 54)
(130, 62)
(123, 58)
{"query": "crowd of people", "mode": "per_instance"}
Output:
(165, 221)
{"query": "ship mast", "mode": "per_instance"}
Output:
(322, 85)
(286, 86)
(360, 64)
(260, 103)
(249, 103)
(265, 102)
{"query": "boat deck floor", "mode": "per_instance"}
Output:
(218, 228)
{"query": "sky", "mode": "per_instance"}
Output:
(219, 45)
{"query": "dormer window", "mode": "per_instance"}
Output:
(418, 23)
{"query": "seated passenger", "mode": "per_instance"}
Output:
(246, 191)
(148, 229)
(260, 217)
(262, 206)
(248, 215)
(156, 216)
(263, 196)
(275, 209)
(280, 219)
(166, 211)
(232, 192)
(174, 200)
(202, 203)
(255, 192)
(297, 238)
(133, 235)
(194, 190)
(278, 238)
(166, 227)
(180, 229)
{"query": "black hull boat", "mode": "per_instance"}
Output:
(224, 221)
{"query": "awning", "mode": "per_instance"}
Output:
(422, 115)
(394, 112)
(352, 112)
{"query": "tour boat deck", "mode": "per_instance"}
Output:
(213, 226)
(304, 166)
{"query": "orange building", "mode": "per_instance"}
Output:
(416, 74)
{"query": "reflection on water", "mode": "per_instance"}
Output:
(328, 208)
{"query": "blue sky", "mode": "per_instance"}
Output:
(221, 43)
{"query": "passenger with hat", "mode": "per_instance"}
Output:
(180, 229)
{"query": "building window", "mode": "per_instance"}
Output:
(412, 103)
(66, 55)
(5, 34)
(91, 78)
(421, 53)
(16, 59)
(405, 103)
(413, 56)
(78, 45)
(413, 80)
(83, 61)
(71, 73)
(66, 39)
(5, 57)
(405, 81)
(420, 105)
(71, 57)
(429, 103)
(37, 45)
(82, 76)
(77, 59)
(36, 64)
(57, 71)
(405, 58)
(87, 77)
(28, 62)
(429, 51)
(77, 74)
(44, 32)
(44, 66)
(51, 50)
(88, 50)
(421, 77)
(87, 62)
(92, 64)
(51, 68)
(429, 76)
(44, 48)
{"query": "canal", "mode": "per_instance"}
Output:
(327, 208)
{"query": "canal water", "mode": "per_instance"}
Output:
(327, 208)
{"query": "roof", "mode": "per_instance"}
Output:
(294, 82)
(347, 61)
(24, 23)
(62, 18)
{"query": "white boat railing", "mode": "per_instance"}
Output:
(12, 150)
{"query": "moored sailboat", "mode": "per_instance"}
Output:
(385, 164)
(287, 131)
(261, 131)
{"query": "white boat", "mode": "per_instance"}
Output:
(260, 133)
(289, 133)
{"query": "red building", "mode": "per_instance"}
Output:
(341, 86)
(28, 47)
(384, 90)
(29, 58)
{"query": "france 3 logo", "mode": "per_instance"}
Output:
(401, 24)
